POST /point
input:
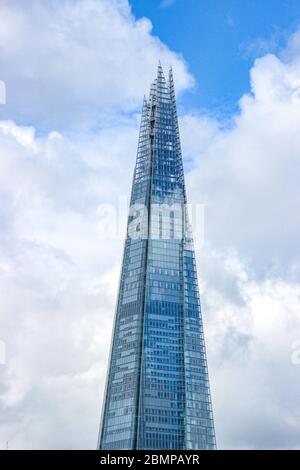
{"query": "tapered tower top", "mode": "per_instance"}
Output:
(157, 393)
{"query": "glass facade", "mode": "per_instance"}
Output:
(157, 393)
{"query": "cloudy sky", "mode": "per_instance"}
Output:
(75, 73)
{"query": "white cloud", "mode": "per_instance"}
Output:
(58, 285)
(247, 175)
(92, 56)
(250, 341)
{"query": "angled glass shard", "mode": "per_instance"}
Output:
(157, 392)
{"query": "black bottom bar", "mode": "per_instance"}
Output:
(135, 459)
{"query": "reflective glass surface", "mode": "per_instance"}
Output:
(157, 394)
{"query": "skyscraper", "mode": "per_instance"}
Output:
(157, 393)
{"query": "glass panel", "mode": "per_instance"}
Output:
(158, 393)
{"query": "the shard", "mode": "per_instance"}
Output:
(157, 393)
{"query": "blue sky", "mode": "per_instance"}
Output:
(219, 40)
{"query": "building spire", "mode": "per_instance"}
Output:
(160, 73)
(157, 394)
